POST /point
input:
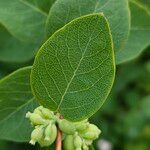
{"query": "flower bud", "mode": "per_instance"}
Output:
(38, 111)
(68, 143)
(81, 126)
(88, 142)
(36, 135)
(44, 143)
(67, 127)
(85, 147)
(78, 141)
(36, 119)
(47, 113)
(91, 133)
(50, 133)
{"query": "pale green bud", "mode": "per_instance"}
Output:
(81, 126)
(47, 113)
(50, 133)
(36, 119)
(67, 127)
(78, 141)
(36, 135)
(68, 143)
(38, 111)
(91, 133)
(79, 148)
(44, 143)
(85, 147)
(88, 142)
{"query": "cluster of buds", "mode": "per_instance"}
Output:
(43, 120)
(77, 135)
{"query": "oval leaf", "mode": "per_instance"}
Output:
(15, 100)
(117, 12)
(74, 70)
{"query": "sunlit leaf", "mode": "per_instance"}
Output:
(74, 70)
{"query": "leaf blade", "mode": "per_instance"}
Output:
(139, 34)
(59, 68)
(16, 99)
(117, 13)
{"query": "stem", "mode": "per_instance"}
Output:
(59, 140)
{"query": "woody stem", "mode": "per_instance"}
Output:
(59, 140)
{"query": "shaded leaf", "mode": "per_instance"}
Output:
(44, 5)
(74, 70)
(139, 38)
(15, 100)
(23, 20)
(63, 11)
(13, 50)
(22, 29)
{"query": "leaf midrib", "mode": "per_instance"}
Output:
(73, 74)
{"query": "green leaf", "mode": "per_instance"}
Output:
(13, 50)
(22, 30)
(15, 100)
(117, 12)
(145, 3)
(44, 5)
(23, 20)
(139, 37)
(74, 70)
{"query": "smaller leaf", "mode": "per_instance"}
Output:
(13, 50)
(15, 100)
(139, 38)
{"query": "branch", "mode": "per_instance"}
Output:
(59, 140)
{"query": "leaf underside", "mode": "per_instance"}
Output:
(74, 70)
